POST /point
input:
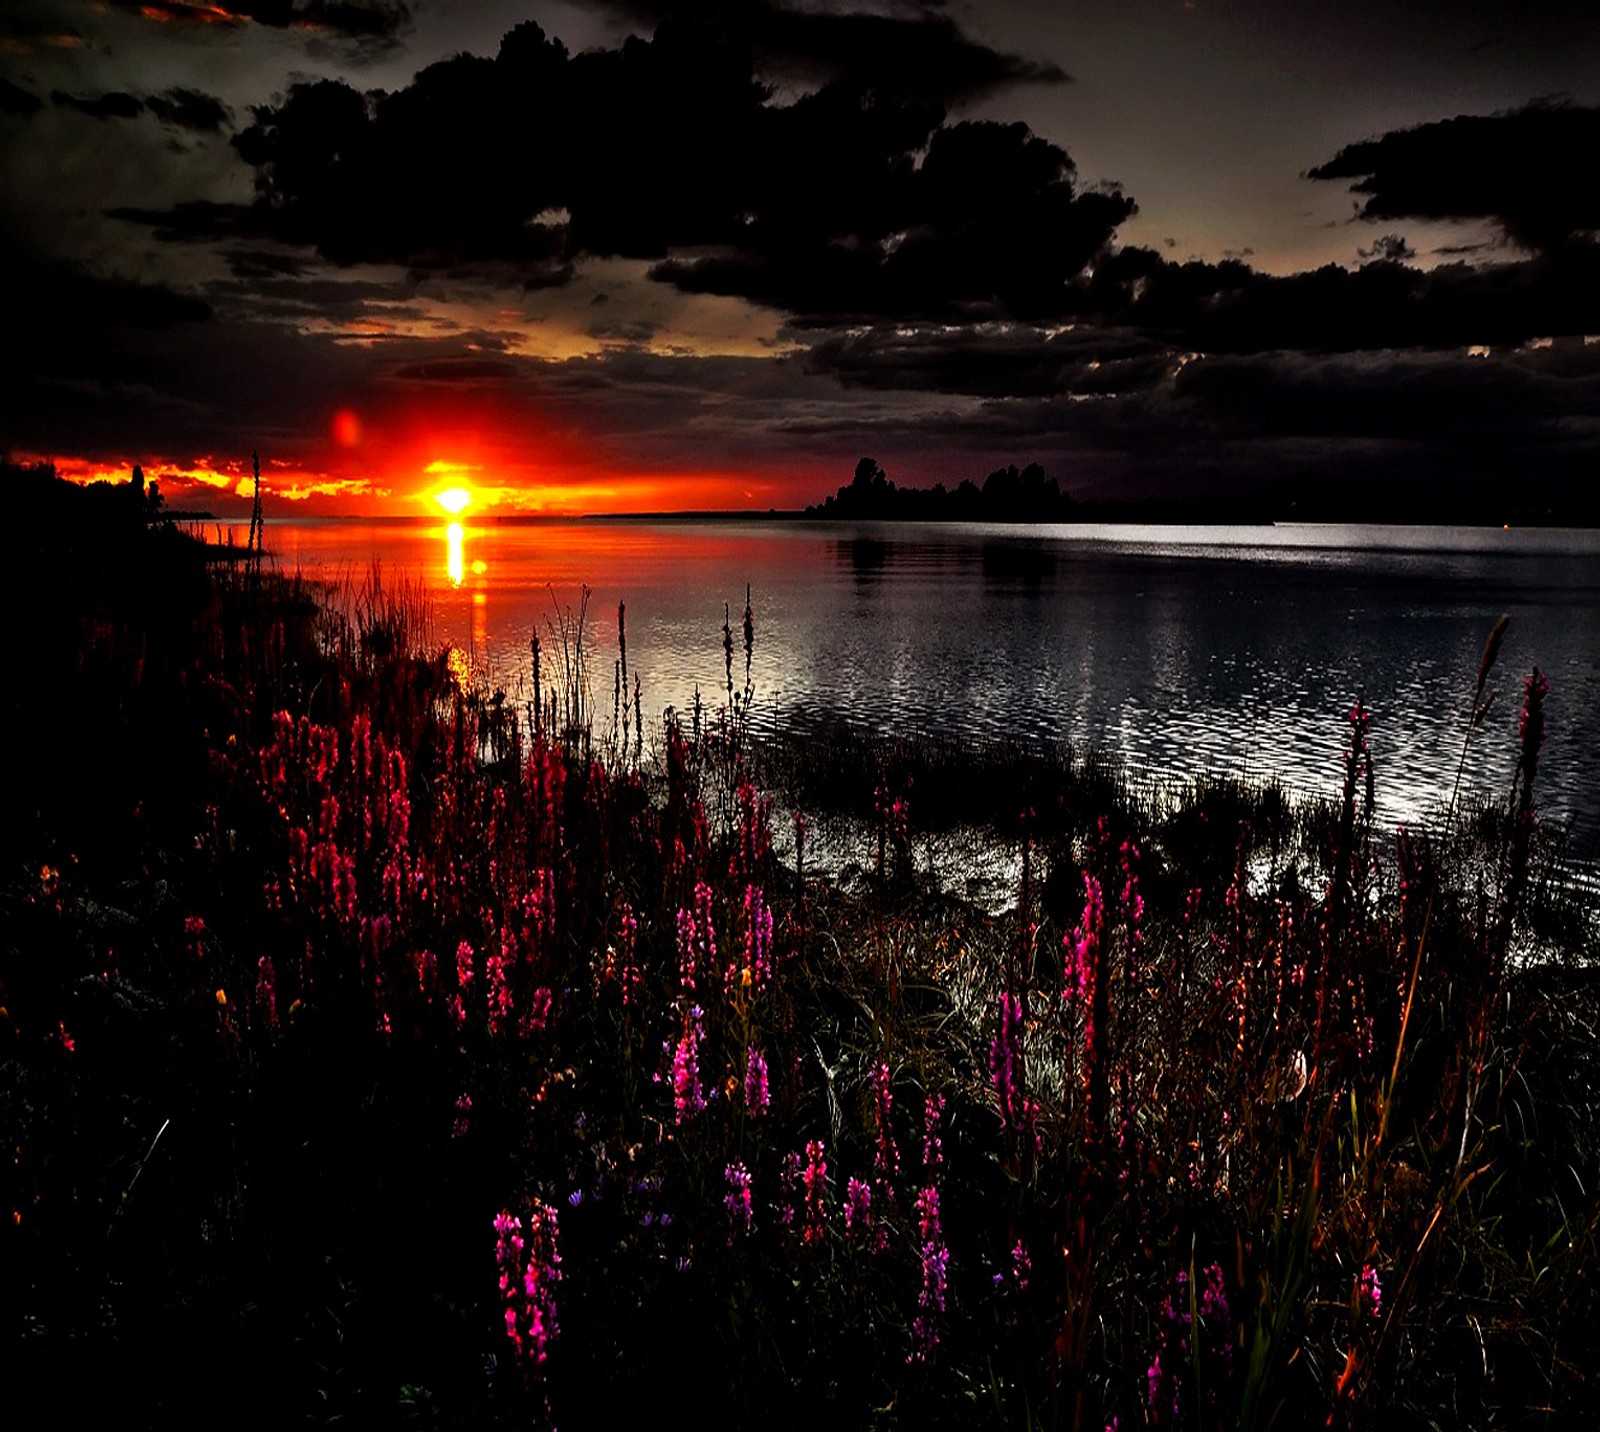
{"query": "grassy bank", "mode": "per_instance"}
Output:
(377, 1051)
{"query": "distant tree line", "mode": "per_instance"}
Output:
(1006, 495)
(1009, 495)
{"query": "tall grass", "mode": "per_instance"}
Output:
(420, 1058)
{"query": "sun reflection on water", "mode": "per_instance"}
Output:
(454, 561)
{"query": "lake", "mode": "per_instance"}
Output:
(1179, 651)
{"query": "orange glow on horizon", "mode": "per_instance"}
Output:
(486, 488)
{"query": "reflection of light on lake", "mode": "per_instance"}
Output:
(480, 621)
(460, 667)
(453, 562)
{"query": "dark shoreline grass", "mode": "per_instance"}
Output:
(1239, 1115)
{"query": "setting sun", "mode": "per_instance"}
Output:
(454, 500)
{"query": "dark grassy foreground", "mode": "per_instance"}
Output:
(370, 1057)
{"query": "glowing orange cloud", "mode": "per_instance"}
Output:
(181, 10)
(204, 479)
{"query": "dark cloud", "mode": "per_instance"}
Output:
(31, 25)
(115, 105)
(46, 297)
(988, 224)
(1142, 318)
(1529, 399)
(1411, 432)
(1531, 171)
(198, 219)
(328, 299)
(1390, 248)
(915, 51)
(855, 198)
(16, 100)
(183, 108)
(74, 338)
(189, 109)
(259, 264)
(991, 360)
(457, 370)
(1232, 308)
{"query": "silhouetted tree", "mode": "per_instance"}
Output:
(1007, 495)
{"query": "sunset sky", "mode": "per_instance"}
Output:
(614, 256)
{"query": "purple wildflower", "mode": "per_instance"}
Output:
(932, 1143)
(815, 1178)
(935, 1273)
(1369, 1292)
(737, 1200)
(686, 950)
(1006, 1063)
(498, 968)
(756, 1095)
(886, 1159)
(1021, 1265)
(757, 967)
(627, 937)
(528, 1289)
(687, 1097)
(857, 1209)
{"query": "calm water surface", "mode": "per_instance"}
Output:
(1178, 650)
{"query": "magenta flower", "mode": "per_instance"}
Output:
(1132, 906)
(464, 957)
(935, 1258)
(756, 1095)
(1082, 946)
(886, 1157)
(426, 964)
(737, 1200)
(686, 950)
(1369, 1292)
(537, 1014)
(498, 969)
(816, 1184)
(1021, 1265)
(688, 1099)
(627, 937)
(705, 933)
(857, 1209)
(1006, 1063)
(932, 1143)
(757, 968)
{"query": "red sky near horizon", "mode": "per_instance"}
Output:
(368, 469)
